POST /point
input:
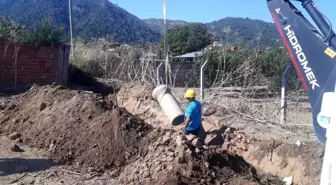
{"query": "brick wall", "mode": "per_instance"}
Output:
(26, 64)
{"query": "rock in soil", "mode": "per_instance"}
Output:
(14, 136)
(16, 148)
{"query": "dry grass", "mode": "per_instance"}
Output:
(127, 63)
(264, 111)
(124, 63)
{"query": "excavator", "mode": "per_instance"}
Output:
(313, 55)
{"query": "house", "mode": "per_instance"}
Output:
(189, 57)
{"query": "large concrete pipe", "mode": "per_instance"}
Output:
(169, 104)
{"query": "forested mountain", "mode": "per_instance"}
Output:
(101, 18)
(158, 25)
(238, 31)
(244, 31)
(91, 18)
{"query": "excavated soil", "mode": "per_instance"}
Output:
(76, 127)
(173, 159)
(88, 130)
(98, 133)
(137, 99)
(269, 149)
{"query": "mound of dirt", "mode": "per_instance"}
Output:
(172, 159)
(89, 130)
(138, 100)
(76, 127)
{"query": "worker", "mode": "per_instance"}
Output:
(193, 117)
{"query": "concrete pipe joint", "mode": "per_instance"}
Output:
(168, 104)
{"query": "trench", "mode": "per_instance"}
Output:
(240, 159)
(273, 160)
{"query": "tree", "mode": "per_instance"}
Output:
(45, 33)
(187, 38)
(10, 30)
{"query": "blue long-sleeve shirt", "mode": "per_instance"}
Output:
(194, 110)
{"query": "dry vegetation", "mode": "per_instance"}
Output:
(245, 91)
(123, 63)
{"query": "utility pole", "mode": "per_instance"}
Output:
(167, 66)
(165, 41)
(70, 17)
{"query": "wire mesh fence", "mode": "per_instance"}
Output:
(245, 92)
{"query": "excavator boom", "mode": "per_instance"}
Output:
(313, 55)
(312, 52)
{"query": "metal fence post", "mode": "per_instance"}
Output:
(283, 93)
(202, 80)
(158, 73)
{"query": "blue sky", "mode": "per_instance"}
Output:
(210, 10)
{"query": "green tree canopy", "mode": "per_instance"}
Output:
(10, 31)
(187, 38)
(45, 33)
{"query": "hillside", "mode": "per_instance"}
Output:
(91, 19)
(158, 25)
(243, 31)
(100, 18)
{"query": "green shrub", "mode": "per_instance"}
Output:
(43, 34)
(11, 31)
(246, 67)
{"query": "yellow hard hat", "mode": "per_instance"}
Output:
(190, 94)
